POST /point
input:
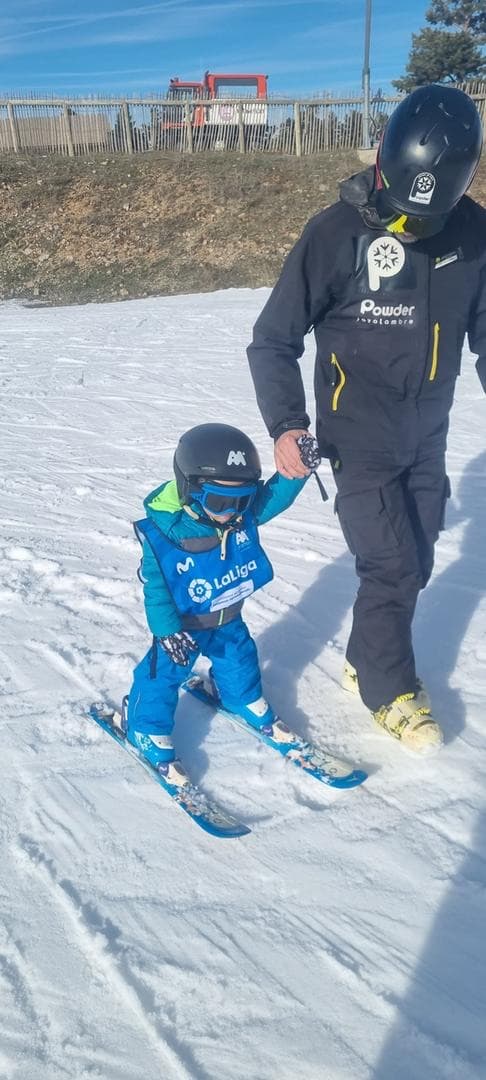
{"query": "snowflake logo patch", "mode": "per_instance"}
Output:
(422, 188)
(386, 257)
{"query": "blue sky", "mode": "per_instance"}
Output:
(108, 46)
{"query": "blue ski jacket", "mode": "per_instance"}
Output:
(180, 528)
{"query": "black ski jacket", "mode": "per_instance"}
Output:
(389, 320)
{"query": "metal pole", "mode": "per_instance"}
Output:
(366, 78)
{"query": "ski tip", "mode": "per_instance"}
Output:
(230, 832)
(353, 779)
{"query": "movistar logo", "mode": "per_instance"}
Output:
(183, 567)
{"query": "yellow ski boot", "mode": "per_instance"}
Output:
(411, 722)
(349, 682)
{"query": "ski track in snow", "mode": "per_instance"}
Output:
(344, 938)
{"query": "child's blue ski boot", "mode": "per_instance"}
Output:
(158, 750)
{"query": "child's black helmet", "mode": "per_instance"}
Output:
(214, 452)
(430, 151)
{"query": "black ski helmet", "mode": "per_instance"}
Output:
(214, 452)
(429, 152)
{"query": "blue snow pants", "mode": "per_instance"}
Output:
(156, 679)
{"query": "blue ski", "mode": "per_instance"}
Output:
(317, 763)
(190, 798)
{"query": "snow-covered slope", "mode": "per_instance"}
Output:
(344, 938)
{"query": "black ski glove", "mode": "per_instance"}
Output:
(179, 646)
(311, 458)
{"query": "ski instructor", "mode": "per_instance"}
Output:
(390, 278)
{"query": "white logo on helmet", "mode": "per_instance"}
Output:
(200, 590)
(422, 188)
(386, 256)
(236, 457)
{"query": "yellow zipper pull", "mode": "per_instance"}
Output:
(435, 352)
(342, 380)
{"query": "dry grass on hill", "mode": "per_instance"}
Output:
(114, 227)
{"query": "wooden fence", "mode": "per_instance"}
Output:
(280, 126)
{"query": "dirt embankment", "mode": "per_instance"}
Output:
(110, 228)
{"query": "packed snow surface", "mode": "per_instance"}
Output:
(344, 938)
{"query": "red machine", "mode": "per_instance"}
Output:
(222, 86)
(215, 125)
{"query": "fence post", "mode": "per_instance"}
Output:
(13, 127)
(298, 129)
(128, 126)
(366, 141)
(241, 130)
(188, 123)
(68, 129)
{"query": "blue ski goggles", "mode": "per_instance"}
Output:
(224, 500)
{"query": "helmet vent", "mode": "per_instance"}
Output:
(444, 110)
(439, 157)
(425, 138)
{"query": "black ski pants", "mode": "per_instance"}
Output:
(390, 518)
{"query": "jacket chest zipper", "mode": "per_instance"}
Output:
(340, 385)
(435, 352)
(223, 535)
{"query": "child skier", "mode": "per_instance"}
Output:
(201, 559)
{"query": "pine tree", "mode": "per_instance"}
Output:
(447, 55)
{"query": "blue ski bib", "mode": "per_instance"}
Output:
(202, 582)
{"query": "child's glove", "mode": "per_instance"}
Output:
(309, 451)
(179, 646)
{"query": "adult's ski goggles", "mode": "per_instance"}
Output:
(219, 499)
(419, 227)
(396, 221)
